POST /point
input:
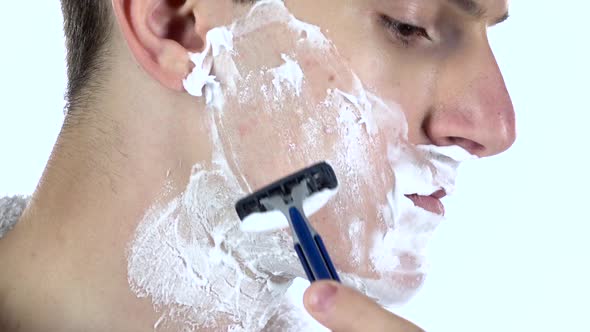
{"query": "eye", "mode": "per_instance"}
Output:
(404, 32)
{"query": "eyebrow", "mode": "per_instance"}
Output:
(476, 10)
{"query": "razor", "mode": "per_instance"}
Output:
(289, 196)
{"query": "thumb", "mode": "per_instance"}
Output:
(343, 309)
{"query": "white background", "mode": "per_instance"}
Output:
(513, 254)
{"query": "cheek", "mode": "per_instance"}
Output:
(395, 74)
(323, 74)
(265, 146)
(257, 150)
(246, 128)
(411, 86)
(268, 138)
(394, 78)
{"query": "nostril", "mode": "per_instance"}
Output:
(467, 144)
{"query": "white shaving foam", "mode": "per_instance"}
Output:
(355, 233)
(200, 80)
(289, 73)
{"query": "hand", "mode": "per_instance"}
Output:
(342, 309)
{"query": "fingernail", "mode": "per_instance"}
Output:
(323, 297)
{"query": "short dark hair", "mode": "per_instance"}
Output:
(87, 27)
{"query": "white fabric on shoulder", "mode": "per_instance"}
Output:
(11, 208)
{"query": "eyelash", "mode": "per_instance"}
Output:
(406, 33)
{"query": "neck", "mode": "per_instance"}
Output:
(131, 212)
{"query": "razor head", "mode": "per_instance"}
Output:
(318, 177)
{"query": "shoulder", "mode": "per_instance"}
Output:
(11, 208)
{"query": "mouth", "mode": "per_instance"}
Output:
(430, 203)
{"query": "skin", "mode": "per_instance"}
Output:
(66, 266)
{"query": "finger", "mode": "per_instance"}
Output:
(343, 309)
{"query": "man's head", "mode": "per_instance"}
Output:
(427, 63)
(439, 50)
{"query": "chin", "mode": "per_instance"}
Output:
(390, 290)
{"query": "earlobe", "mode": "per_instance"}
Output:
(160, 34)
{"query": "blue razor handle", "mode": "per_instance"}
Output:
(311, 250)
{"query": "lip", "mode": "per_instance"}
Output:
(430, 203)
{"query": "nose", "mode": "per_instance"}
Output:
(472, 106)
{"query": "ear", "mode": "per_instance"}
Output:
(160, 34)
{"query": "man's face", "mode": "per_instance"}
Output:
(432, 57)
(391, 78)
(393, 94)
